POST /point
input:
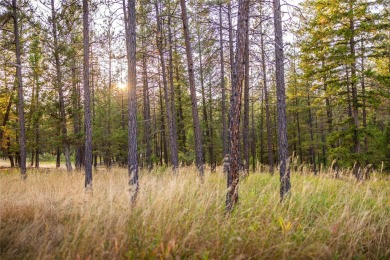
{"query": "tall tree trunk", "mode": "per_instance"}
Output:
(163, 141)
(253, 138)
(130, 27)
(146, 112)
(87, 100)
(312, 151)
(204, 106)
(281, 103)
(64, 130)
(266, 100)
(22, 137)
(76, 115)
(261, 123)
(363, 84)
(223, 89)
(245, 125)
(182, 133)
(213, 163)
(171, 82)
(108, 155)
(168, 106)
(235, 105)
(195, 116)
(355, 105)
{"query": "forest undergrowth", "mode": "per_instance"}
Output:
(50, 216)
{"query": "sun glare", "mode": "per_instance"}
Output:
(121, 85)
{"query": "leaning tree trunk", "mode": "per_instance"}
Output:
(235, 105)
(87, 100)
(130, 27)
(281, 103)
(22, 137)
(195, 116)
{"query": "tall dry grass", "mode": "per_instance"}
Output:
(50, 216)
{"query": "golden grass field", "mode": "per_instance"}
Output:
(49, 216)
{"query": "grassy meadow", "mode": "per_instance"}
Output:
(49, 216)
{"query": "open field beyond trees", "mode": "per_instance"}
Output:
(49, 216)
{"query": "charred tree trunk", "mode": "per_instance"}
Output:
(235, 105)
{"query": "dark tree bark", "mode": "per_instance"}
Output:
(363, 84)
(195, 116)
(281, 103)
(312, 151)
(253, 138)
(59, 86)
(266, 101)
(168, 105)
(22, 134)
(245, 125)
(87, 99)
(235, 105)
(130, 27)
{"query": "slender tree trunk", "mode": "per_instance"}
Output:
(171, 83)
(58, 157)
(204, 106)
(182, 133)
(213, 163)
(164, 145)
(130, 27)
(253, 138)
(64, 130)
(281, 103)
(22, 137)
(235, 105)
(363, 84)
(223, 89)
(245, 126)
(146, 112)
(87, 100)
(261, 123)
(312, 151)
(266, 100)
(195, 116)
(168, 106)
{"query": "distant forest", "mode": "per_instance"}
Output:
(248, 85)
